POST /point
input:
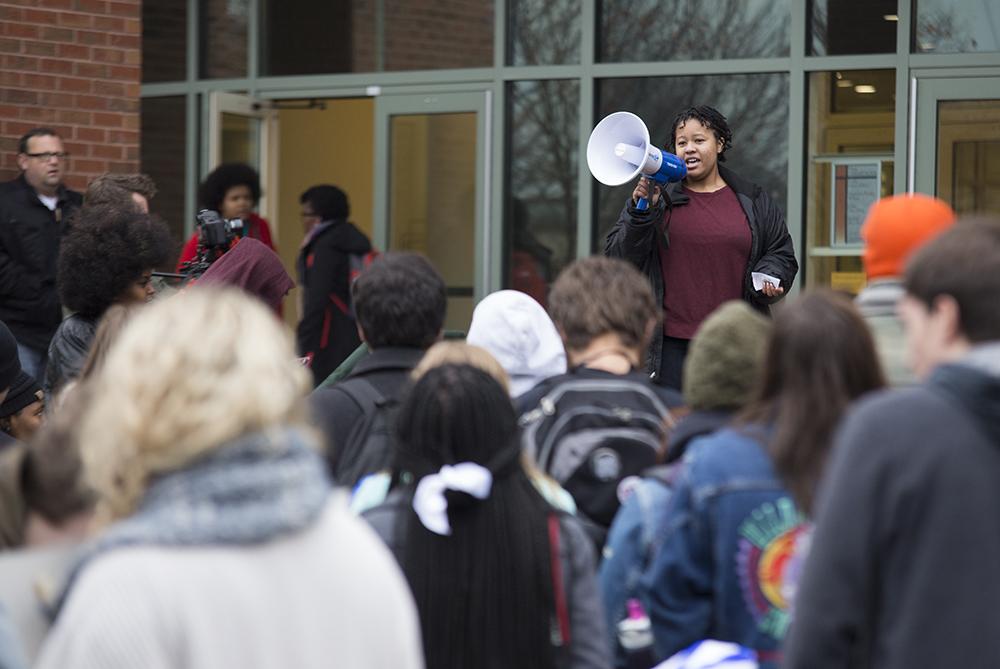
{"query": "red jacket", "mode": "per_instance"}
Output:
(257, 228)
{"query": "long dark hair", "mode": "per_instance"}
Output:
(485, 592)
(820, 358)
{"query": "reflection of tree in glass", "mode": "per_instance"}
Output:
(944, 31)
(543, 161)
(658, 30)
(756, 106)
(544, 32)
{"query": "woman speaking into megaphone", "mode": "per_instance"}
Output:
(709, 238)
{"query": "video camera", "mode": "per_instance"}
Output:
(215, 236)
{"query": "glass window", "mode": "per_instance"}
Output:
(756, 106)
(162, 157)
(223, 38)
(542, 163)
(307, 37)
(968, 158)
(164, 41)
(543, 32)
(956, 26)
(652, 30)
(439, 35)
(838, 27)
(851, 128)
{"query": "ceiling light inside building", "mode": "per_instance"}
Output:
(844, 83)
(864, 88)
(890, 17)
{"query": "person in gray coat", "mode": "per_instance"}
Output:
(500, 577)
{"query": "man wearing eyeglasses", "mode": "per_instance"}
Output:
(34, 208)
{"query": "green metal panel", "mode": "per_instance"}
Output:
(902, 64)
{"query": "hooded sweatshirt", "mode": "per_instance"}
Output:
(255, 268)
(904, 564)
(515, 329)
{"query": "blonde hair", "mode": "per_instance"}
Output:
(186, 376)
(460, 353)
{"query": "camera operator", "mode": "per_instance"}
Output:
(232, 190)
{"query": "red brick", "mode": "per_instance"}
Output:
(125, 41)
(127, 9)
(73, 20)
(41, 16)
(75, 51)
(118, 166)
(86, 166)
(26, 30)
(42, 115)
(53, 34)
(108, 55)
(63, 100)
(112, 151)
(73, 116)
(91, 102)
(131, 122)
(22, 63)
(108, 119)
(10, 14)
(123, 137)
(10, 111)
(10, 45)
(19, 96)
(56, 66)
(40, 81)
(132, 153)
(40, 48)
(91, 6)
(75, 85)
(94, 70)
(9, 78)
(133, 26)
(91, 135)
(133, 57)
(109, 24)
(18, 128)
(78, 149)
(123, 105)
(109, 88)
(91, 37)
(124, 73)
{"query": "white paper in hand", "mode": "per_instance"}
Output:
(759, 279)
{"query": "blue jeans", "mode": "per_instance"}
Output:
(33, 361)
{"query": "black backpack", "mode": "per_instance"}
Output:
(368, 447)
(591, 434)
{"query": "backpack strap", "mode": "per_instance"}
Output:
(561, 609)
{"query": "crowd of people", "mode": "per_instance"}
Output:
(654, 461)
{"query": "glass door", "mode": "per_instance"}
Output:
(957, 142)
(244, 130)
(432, 185)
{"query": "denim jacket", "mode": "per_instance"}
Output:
(728, 552)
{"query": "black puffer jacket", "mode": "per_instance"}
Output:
(68, 351)
(635, 237)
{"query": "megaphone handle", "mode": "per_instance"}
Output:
(642, 204)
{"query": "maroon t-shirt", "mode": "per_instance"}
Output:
(706, 261)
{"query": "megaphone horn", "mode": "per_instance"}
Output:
(619, 150)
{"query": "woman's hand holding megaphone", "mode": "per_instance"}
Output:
(642, 191)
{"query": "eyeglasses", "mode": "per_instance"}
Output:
(46, 156)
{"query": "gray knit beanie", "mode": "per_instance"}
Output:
(725, 358)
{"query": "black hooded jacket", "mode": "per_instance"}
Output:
(327, 332)
(903, 569)
(636, 236)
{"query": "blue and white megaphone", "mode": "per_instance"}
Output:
(619, 150)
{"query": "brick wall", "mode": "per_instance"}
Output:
(73, 65)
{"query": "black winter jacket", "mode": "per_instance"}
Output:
(29, 248)
(634, 238)
(327, 332)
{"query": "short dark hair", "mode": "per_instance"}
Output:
(596, 296)
(111, 188)
(22, 144)
(328, 202)
(213, 189)
(963, 262)
(711, 118)
(400, 300)
(107, 248)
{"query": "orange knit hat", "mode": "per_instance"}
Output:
(897, 226)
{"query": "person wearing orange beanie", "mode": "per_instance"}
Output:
(894, 229)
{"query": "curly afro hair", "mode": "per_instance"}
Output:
(213, 189)
(107, 248)
(709, 117)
